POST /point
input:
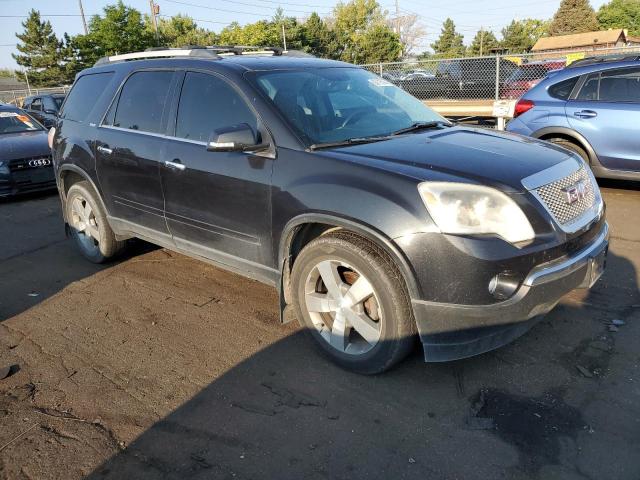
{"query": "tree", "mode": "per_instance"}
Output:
(319, 40)
(121, 29)
(41, 53)
(410, 32)
(621, 14)
(360, 24)
(521, 35)
(483, 43)
(574, 16)
(180, 31)
(450, 43)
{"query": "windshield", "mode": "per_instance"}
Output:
(337, 104)
(16, 122)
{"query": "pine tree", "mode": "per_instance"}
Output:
(483, 43)
(574, 16)
(41, 53)
(521, 35)
(318, 39)
(450, 43)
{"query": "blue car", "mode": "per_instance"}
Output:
(592, 108)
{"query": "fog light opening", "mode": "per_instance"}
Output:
(503, 285)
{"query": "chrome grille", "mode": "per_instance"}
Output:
(554, 197)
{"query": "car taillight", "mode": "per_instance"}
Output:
(522, 106)
(52, 132)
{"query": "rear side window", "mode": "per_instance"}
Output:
(589, 90)
(84, 94)
(562, 90)
(142, 101)
(208, 103)
(36, 104)
(621, 85)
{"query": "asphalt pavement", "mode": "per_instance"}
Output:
(160, 366)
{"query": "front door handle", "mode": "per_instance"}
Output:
(105, 150)
(585, 114)
(175, 165)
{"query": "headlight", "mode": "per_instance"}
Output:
(460, 208)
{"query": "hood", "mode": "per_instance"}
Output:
(494, 158)
(23, 145)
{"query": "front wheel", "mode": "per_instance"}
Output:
(351, 298)
(88, 224)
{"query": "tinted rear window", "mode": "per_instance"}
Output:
(563, 89)
(84, 94)
(142, 101)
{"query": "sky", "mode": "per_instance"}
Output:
(468, 15)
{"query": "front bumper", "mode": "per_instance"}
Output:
(34, 180)
(450, 331)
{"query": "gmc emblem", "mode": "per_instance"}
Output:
(575, 192)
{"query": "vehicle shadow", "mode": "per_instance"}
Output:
(36, 258)
(545, 406)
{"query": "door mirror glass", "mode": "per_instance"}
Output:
(235, 138)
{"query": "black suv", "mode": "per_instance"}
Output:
(375, 218)
(44, 108)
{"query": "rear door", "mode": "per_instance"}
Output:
(129, 150)
(217, 204)
(606, 111)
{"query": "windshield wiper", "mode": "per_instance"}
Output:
(421, 126)
(348, 141)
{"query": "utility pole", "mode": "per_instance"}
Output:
(284, 38)
(155, 10)
(84, 20)
(481, 39)
(397, 18)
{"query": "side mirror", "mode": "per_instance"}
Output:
(235, 138)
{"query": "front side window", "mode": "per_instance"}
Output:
(589, 90)
(337, 104)
(142, 101)
(208, 103)
(82, 98)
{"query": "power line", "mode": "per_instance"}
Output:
(238, 11)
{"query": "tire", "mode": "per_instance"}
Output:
(386, 329)
(88, 224)
(569, 145)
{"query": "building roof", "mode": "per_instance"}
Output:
(579, 40)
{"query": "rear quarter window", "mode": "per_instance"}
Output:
(84, 95)
(562, 90)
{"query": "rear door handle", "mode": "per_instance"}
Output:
(105, 150)
(175, 165)
(585, 114)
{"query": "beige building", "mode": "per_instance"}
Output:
(586, 41)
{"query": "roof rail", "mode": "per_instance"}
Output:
(210, 52)
(604, 59)
(159, 53)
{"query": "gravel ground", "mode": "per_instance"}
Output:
(160, 366)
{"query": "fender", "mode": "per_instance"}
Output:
(74, 168)
(593, 157)
(365, 231)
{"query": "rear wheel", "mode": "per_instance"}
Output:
(88, 223)
(569, 145)
(352, 300)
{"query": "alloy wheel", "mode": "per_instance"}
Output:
(83, 221)
(343, 307)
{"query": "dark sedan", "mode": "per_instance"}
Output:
(44, 108)
(25, 157)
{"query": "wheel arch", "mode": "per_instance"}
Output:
(568, 134)
(69, 174)
(302, 229)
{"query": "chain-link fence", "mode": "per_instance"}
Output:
(482, 78)
(16, 97)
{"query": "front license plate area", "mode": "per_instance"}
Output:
(597, 266)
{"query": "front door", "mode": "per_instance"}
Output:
(606, 112)
(129, 151)
(217, 204)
